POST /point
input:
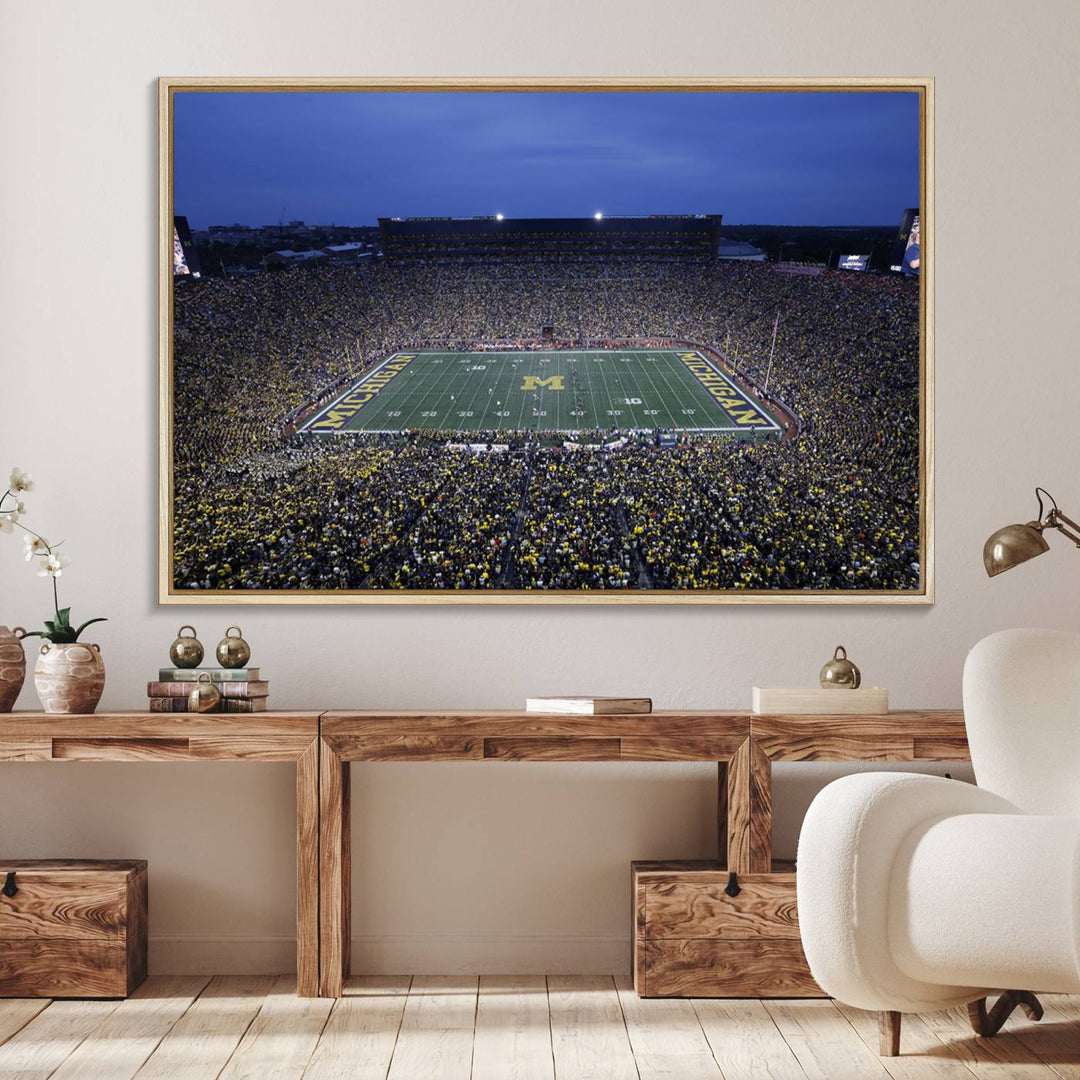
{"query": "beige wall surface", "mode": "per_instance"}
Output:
(495, 867)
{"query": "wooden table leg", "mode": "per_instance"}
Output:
(749, 810)
(334, 872)
(307, 872)
(722, 813)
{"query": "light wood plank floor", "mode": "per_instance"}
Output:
(524, 1027)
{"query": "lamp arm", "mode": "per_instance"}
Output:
(1057, 520)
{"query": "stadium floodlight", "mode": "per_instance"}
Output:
(598, 216)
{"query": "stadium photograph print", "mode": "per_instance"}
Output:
(518, 341)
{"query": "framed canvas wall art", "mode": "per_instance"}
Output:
(519, 341)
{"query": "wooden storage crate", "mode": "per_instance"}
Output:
(72, 928)
(691, 939)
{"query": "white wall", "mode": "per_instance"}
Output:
(494, 867)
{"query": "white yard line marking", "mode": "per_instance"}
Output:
(661, 403)
(683, 395)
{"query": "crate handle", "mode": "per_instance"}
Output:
(9, 884)
(732, 887)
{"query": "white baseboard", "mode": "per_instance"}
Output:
(430, 954)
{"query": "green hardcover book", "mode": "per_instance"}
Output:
(218, 674)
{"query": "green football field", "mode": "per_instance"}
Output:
(557, 390)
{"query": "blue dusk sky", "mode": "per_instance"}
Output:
(349, 158)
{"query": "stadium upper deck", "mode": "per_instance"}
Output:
(663, 236)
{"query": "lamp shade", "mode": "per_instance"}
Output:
(1012, 545)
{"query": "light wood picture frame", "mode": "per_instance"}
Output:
(217, 567)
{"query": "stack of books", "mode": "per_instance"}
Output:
(241, 689)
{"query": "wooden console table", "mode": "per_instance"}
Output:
(742, 744)
(903, 735)
(322, 745)
(269, 736)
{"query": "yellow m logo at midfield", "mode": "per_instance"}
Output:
(534, 382)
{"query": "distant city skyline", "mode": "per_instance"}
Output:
(348, 158)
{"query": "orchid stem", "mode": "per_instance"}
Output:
(39, 548)
(20, 525)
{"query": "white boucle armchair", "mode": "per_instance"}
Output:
(918, 893)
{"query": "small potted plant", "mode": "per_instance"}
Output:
(69, 674)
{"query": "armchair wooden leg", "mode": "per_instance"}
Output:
(889, 1033)
(988, 1024)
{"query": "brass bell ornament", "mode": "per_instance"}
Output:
(840, 673)
(186, 651)
(204, 696)
(233, 651)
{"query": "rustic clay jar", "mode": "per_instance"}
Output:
(69, 678)
(12, 666)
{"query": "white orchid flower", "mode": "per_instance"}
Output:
(34, 545)
(7, 521)
(20, 481)
(53, 566)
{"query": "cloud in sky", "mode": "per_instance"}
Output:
(351, 157)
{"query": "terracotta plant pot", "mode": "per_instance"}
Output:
(12, 666)
(69, 678)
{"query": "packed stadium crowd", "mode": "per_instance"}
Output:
(257, 508)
